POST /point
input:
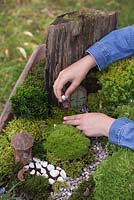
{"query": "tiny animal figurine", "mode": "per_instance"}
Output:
(22, 144)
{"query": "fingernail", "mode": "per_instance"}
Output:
(64, 118)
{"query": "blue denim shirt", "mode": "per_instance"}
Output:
(116, 45)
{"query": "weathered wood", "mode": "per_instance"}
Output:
(36, 57)
(68, 38)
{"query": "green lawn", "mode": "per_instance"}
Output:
(23, 27)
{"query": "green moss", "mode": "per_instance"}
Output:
(67, 143)
(112, 148)
(35, 187)
(57, 185)
(36, 76)
(117, 87)
(6, 157)
(79, 193)
(114, 178)
(125, 111)
(30, 102)
(73, 169)
(94, 102)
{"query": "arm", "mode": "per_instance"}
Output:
(121, 132)
(116, 45)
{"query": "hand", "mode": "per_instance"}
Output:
(75, 73)
(92, 124)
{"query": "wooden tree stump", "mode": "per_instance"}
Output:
(68, 38)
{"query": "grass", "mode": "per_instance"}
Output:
(26, 25)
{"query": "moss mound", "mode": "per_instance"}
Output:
(114, 179)
(67, 143)
(30, 102)
(6, 157)
(35, 187)
(117, 86)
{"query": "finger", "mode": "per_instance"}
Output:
(72, 122)
(73, 117)
(58, 87)
(71, 88)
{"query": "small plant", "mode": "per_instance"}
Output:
(30, 102)
(35, 187)
(83, 187)
(67, 143)
(114, 178)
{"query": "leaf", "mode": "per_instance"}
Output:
(7, 53)
(23, 52)
(28, 33)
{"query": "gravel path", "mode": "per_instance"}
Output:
(73, 184)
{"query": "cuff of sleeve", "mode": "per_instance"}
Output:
(114, 132)
(100, 54)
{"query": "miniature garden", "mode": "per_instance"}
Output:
(56, 161)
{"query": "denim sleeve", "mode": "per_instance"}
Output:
(116, 45)
(122, 132)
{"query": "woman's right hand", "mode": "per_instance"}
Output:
(74, 74)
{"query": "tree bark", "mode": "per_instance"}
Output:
(68, 38)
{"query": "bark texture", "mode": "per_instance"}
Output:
(68, 38)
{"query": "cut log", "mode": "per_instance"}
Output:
(36, 57)
(68, 38)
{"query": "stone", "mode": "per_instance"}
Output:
(87, 192)
(38, 174)
(54, 173)
(43, 171)
(32, 172)
(51, 181)
(36, 159)
(50, 167)
(38, 165)
(31, 165)
(58, 168)
(63, 174)
(63, 97)
(45, 175)
(26, 167)
(44, 163)
(60, 179)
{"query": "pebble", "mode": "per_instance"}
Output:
(63, 174)
(36, 159)
(45, 175)
(50, 167)
(54, 173)
(43, 171)
(44, 163)
(63, 97)
(51, 181)
(60, 179)
(32, 172)
(38, 165)
(31, 165)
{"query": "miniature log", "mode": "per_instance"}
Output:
(36, 57)
(68, 38)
